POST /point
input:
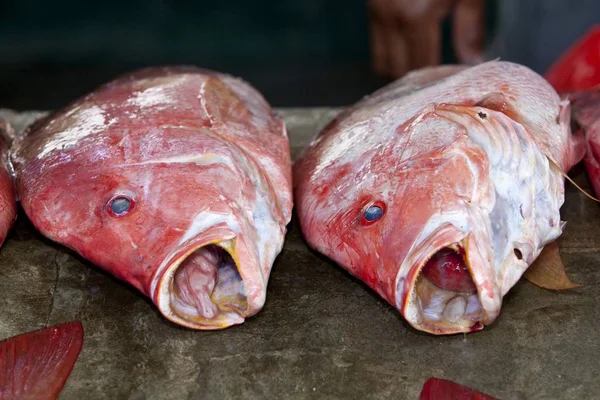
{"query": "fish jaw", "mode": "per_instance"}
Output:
(217, 275)
(430, 308)
(206, 282)
(202, 288)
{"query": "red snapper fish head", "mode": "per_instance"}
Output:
(178, 240)
(165, 206)
(428, 219)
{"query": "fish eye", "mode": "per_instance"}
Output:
(373, 213)
(120, 205)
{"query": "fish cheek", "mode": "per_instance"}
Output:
(85, 212)
(365, 226)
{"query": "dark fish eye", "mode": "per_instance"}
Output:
(373, 213)
(119, 205)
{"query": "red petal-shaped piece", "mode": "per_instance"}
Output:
(442, 389)
(36, 365)
(579, 67)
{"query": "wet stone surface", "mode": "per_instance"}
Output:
(321, 334)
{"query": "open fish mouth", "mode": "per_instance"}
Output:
(443, 297)
(446, 294)
(203, 289)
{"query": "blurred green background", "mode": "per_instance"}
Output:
(167, 30)
(296, 52)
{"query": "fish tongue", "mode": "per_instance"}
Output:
(455, 309)
(196, 278)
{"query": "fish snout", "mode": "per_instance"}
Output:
(450, 286)
(200, 285)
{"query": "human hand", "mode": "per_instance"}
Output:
(406, 34)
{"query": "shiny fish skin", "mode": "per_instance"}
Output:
(199, 164)
(466, 157)
(8, 201)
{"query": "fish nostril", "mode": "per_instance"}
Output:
(518, 254)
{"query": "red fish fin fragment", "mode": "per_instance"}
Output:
(36, 365)
(548, 270)
(579, 67)
(442, 389)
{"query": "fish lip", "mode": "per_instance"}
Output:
(165, 278)
(445, 236)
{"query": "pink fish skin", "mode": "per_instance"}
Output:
(586, 112)
(449, 158)
(176, 180)
(8, 201)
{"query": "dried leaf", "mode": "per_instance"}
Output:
(36, 365)
(548, 271)
(442, 389)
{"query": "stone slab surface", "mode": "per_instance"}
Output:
(322, 334)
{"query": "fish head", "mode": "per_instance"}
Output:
(425, 218)
(167, 206)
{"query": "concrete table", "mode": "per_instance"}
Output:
(321, 334)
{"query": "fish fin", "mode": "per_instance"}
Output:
(36, 365)
(548, 270)
(443, 389)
